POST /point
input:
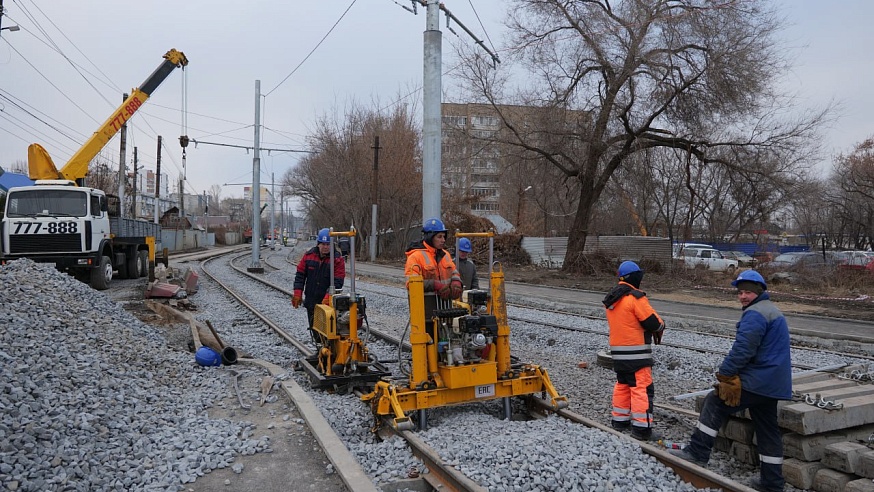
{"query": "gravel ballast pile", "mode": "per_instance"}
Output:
(92, 399)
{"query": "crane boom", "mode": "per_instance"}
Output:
(39, 163)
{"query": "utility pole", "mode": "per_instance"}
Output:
(256, 186)
(133, 198)
(431, 102)
(206, 215)
(374, 196)
(273, 209)
(158, 182)
(122, 178)
(431, 129)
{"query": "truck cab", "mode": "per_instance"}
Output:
(55, 221)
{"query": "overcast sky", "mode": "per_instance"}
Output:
(373, 53)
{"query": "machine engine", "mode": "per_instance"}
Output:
(468, 338)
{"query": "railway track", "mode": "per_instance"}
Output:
(691, 473)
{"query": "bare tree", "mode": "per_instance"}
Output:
(852, 195)
(610, 80)
(334, 184)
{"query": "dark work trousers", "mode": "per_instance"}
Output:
(763, 411)
(310, 313)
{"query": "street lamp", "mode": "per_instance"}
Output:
(11, 28)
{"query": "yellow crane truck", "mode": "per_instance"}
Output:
(60, 220)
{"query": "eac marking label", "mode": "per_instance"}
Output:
(485, 390)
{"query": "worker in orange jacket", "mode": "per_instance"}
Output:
(428, 259)
(634, 327)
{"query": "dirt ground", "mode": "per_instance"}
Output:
(853, 298)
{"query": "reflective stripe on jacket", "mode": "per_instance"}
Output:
(627, 310)
(432, 264)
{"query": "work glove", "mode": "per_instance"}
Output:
(327, 300)
(455, 288)
(657, 337)
(728, 389)
(442, 290)
(295, 301)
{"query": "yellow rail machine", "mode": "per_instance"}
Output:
(342, 359)
(460, 354)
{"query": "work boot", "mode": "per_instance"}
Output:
(685, 455)
(620, 426)
(645, 434)
(756, 484)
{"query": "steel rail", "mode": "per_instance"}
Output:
(448, 477)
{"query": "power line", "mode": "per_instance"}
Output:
(313, 50)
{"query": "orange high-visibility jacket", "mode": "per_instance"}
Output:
(632, 323)
(432, 264)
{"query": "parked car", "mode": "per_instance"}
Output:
(764, 256)
(743, 259)
(708, 258)
(855, 260)
(792, 267)
(677, 250)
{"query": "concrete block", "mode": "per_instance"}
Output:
(745, 453)
(808, 419)
(828, 480)
(722, 444)
(844, 456)
(812, 448)
(860, 485)
(866, 465)
(799, 474)
(739, 430)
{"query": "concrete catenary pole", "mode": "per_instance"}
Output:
(374, 194)
(256, 186)
(431, 95)
(273, 210)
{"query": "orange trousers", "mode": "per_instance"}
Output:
(632, 399)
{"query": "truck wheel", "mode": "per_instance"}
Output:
(144, 263)
(102, 275)
(131, 265)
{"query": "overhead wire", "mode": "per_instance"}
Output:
(58, 48)
(314, 49)
(50, 82)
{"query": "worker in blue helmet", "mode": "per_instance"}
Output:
(429, 259)
(466, 266)
(634, 327)
(312, 280)
(754, 376)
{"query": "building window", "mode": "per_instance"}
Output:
(455, 121)
(484, 121)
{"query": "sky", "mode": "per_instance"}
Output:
(312, 57)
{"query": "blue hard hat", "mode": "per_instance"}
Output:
(206, 356)
(433, 225)
(324, 236)
(627, 267)
(750, 276)
(464, 245)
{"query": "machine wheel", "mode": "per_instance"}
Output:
(102, 275)
(144, 263)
